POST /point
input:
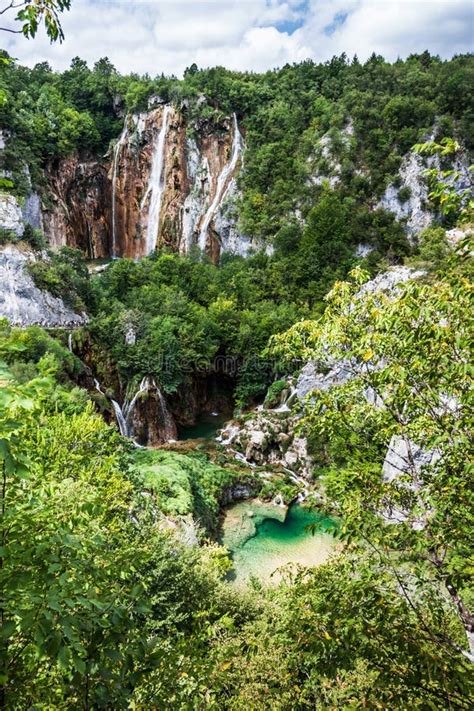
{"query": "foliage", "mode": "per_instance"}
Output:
(272, 397)
(32, 14)
(184, 484)
(408, 355)
(447, 193)
(93, 593)
(64, 274)
(340, 636)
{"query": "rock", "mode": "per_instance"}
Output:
(387, 281)
(363, 250)
(130, 336)
(22, 303)
(11, 218)
(403, 467)
(415, 209)
(31, 211)
(313, 378)
(405, 457)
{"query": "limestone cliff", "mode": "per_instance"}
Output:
(164, 183)
(22, 303)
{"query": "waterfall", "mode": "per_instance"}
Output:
(117, 151)
(156, 184)
(120, 418)
(123, 414)
(69, 342)
(129, 406)
(222, 181)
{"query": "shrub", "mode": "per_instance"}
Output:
(404, 193)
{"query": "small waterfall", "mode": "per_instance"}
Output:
(123, 414)
(120, 418)
(69, 342)
(117, 151)
(222, 183)
(129, 406)
(156, 184)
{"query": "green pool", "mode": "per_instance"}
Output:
(262, 541)
(205, 428)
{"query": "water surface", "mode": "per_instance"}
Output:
(206, 427)
(261, 544)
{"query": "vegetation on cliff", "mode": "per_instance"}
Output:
(104, 603)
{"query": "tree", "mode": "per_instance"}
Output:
(406, 406)
(31, 14)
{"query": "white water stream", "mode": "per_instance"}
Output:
(156, 184)
(222, 184)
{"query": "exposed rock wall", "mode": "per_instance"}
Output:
(163, 175)
(78, 209)
(22, 303)
(415, 210)
(11, 218)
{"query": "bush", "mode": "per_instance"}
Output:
(274, 393)
(34, 238)
(7, 236)
(404, 194)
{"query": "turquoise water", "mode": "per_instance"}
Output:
(205, 428)
(274, 543)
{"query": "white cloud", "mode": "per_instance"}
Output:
(157, 36)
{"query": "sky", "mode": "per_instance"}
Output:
(155, 36)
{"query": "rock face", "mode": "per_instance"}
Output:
(389, 280)
(415, 210)
(80, 212)
(152, 423)
(22, 303)
(268, 438)
(165, 183)
(11, 217)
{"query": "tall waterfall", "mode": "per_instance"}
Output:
(156, 184)
(222, 182)
(117, 151)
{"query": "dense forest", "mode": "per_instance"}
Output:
(116, 592)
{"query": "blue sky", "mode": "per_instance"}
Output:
(157, 36)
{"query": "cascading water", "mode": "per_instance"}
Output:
(222, 184)
(121, 421)
(124, 414)
(117, 151)
(156, 184)
(129, 406)
(122, 425)
(69, 342)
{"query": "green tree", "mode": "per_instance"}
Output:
(406, 405)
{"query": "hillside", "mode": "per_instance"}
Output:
(236, 387)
